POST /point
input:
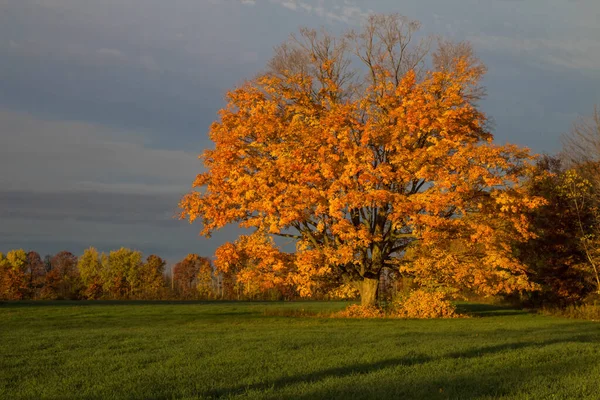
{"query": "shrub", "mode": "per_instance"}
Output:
(423, 304)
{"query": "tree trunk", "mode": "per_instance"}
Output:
(368, 291)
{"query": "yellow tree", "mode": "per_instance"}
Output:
(120, 273)
(356, 150)
(90, 268)
(581, 150)
(583, 200)
(152, 277)
(13, 282)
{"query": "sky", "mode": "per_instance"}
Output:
(105, 105)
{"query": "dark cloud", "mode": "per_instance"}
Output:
(50, 222)
(115, 208)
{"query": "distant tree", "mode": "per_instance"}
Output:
(17, 259)
(48, 262)
(90, 268)
(35, 272)
(189, 273)
(205, 281)
(121, 273)
(63, 281)
(152, 277)
(13, 283)
(358, 166)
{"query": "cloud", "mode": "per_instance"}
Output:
(70, 185)
(48, 155)
(50, 222)
(568, 53)
(289, 4)
(53, 221)
(110, 53)
(155, 209)
(335, 11)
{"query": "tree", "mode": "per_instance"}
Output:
(191, 272)
(35, 272)
(48, 263)
(152, 277)
(63, 281)
(581, 147)
(583, 203)
(121, 273)
(90, 268)
(360, 165)
(13, 283)
(17, 259)
(581, 150)
(554, 257)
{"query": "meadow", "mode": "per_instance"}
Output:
(195, 350)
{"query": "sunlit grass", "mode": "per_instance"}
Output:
(151, 350)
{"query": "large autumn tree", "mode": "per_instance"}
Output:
(361, 146)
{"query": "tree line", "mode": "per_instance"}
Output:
(123, 275)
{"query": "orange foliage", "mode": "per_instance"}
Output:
(152, 281)
(357, 177)
(192, 275)
(343, 292)
(12, 283)
(63, 281)
(257, 264)
(424, 304)
(13, 277)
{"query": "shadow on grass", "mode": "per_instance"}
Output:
(512, 379)
(488, 310)
(340, 372)
(465, 388)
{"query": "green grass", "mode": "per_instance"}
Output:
(111, 350)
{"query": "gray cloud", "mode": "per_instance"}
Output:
(46, 155)
(334, 11)
(54, 221)
(570, 53)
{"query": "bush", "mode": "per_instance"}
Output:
(423, 304)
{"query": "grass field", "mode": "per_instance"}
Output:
(87, 350)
